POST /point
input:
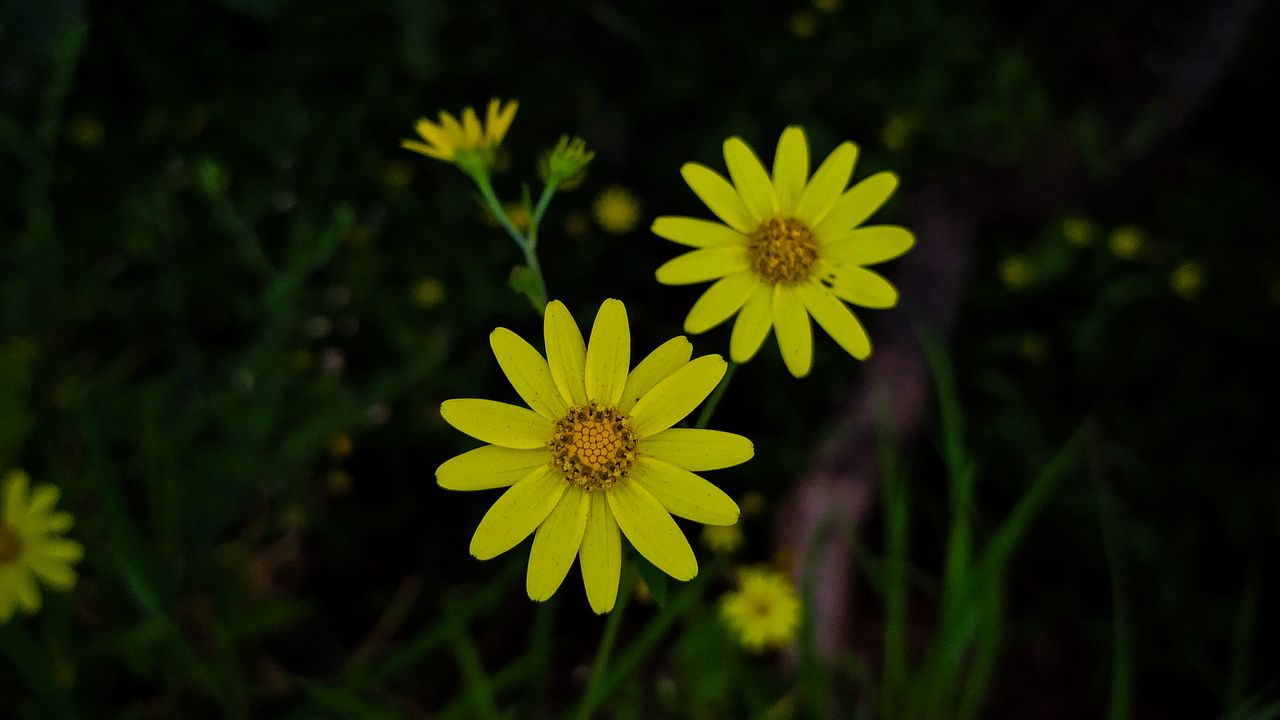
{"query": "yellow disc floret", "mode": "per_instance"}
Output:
(594, 446)
(10, 545)
(783, 250)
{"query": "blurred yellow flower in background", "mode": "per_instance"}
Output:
(616, 210)
(1127, 242)
(1017, 272)
(897, 131)
(803, 24)
(447, 137)
(339, 446)
(723, 539)
(764, 612)
(31, 545)
(1187, 279)
(1078, 230)
(85, 131)
(596, 457)
(428, 292)
(787, 248)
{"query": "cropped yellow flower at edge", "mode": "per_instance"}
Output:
(790, 247)
(31, 546)
(597, 456)
(764, 612)
(447, 139)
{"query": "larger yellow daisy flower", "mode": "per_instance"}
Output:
(442, 140)
(789, 248)
(596, 454)
(31, 546)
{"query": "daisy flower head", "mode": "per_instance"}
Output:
(764, 612)
(465, 142)
(595, 457)
(31, 545)
(789, 246)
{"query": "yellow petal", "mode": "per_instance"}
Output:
(795, 337)
(836, 318)
(452, 129)
(750, 179)
(43, 498)
(859, 203)
(862, 287)
(556, 544)
(497, 423)
(719, 196)
(56, 574)
(695, 232)
(59, 522)
(429, 151)
(650, 529)
(25, 590)
(489, 467)
(60, 549)
(720, 302)
(491, 120)
(684, 494)
(667, 358)
(698, 449)
(676, 396)
(609, 354)
(601, 555)
(471, 128)
(868, 245)
(15, 497)
(827, 183)
(519, 511)
(566, 353)
(498, 128)
(790, 168)
(703, 265)
(753, 325)
(528, 373)
(431, 132)
(8, 601)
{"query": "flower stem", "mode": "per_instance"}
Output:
(537, 292)
(707, 410)
(591, 697)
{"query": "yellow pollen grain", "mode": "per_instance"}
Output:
(783, 250)
(10, 545)
(594, 446)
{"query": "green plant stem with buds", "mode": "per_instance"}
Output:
(536, 288)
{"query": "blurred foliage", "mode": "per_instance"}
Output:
(215, 259)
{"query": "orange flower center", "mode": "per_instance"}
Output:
(10, 545)
(594, 446)
(783, 250)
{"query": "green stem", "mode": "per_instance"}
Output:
(707, 410)
(591, 697)
(528, 245)
(478, 685)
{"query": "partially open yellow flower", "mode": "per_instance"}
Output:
(789, 248)
(764, 612)
(31, 546)
(596, 454)
(444, 139)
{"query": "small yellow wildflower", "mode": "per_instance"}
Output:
(828, 6)
(789, 248)
(1078, 230)
(753, 503)
(428, 292)
(803, 24)
(764, 612)
(85, 131)
(723, 539)
(597, 457)
(565, 165)
(31, 546)
(897, 131)
(466, 141)
(1017, 272)
(1127, 242)
(339, 446)
(617, 210)
(1187, 279)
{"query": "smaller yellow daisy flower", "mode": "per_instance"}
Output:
(1187, 279)
(1078, 230)
(764, 613)
(1127, 241)
(428, 292)
(617, 210)
(450, 138)
(1017, 272)
(31, 548)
